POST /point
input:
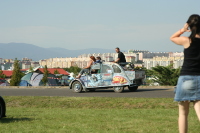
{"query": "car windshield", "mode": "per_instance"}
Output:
(116, 69)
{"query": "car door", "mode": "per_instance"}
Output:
(106, 74)
(119, 77)
(94, 79)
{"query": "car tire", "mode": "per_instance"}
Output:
(133, 88)
(77, 87)
(1, 109)
(118, 89)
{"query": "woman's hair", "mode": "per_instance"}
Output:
(98, 57)
(194, 25)
(93, 58)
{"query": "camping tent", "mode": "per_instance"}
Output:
(35, 79)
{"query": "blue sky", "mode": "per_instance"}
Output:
(81, 24)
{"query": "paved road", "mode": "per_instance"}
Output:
(141, 92)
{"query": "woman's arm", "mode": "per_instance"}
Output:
(181, 40)
(89, 65)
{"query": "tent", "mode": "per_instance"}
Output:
(35, 79)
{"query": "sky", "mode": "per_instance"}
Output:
(82, 24)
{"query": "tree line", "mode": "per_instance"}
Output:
(164, 75)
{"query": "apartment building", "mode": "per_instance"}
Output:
(1, 60)
(163, 61)
(139, 57)
(25, 63)
(65, 62)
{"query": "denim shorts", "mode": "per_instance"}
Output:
(188, 88)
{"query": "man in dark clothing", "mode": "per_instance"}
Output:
(121, 57)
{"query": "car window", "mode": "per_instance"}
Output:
(1, 80)
(116, 69)
(95, 68)
(106, 69)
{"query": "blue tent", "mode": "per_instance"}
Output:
(35, 79)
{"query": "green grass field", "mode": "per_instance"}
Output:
(93, 115)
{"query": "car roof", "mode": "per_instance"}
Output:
(110, 63)
(97, 65)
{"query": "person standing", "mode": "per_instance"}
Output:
(121, 57)
(188, 86)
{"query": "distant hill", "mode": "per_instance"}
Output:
(21, 50)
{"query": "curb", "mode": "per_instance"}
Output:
(140, 87)
(34, 87)
(156, 87)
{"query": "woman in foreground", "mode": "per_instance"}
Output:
(188, 86)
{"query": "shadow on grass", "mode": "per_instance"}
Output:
(10, 120)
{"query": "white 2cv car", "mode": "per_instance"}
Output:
(109, 75)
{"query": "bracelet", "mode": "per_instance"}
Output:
(181, 32)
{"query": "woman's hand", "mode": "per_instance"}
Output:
(185, 28)
(181, 40)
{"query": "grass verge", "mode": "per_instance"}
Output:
(92, 114)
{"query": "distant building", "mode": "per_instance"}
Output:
(35, 64)
(1, 60)
(25, 63)
(65, 62)
(163, 61)
(26, 59)
(8, 73)
(130, 59)
(8, 60)
(137, 51)
(141, 58)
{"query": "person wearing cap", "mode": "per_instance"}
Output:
(98, 59)
(121, 57)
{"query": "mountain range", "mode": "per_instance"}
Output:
(36, 53)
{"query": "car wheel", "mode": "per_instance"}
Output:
(1, 110)
(133, 88)
(77, 87)
(118, 89)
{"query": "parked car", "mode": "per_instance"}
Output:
(2, 108)
(109, 75)
(3, 82)
(65, 80)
